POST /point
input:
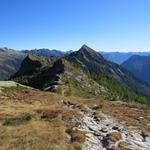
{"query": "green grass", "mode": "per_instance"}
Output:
(11, 85)
(117, 91)
(77, 146)
(17, 120)
(84, 89)
(8, 84)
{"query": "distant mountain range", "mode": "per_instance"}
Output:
(47, 52)
(120, 57)
(10, 62)
(139, 66)
(82, 73)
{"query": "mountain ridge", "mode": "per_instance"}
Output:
(86, 72)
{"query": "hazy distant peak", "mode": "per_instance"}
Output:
(5, 49)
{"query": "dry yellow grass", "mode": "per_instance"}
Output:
(38, 133)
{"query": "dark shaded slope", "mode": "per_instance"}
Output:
(48, 77)
(139, 66)
(32, 66)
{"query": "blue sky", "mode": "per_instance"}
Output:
(108, 25)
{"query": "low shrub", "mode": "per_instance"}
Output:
(77, 146)
(76, 135)
(49, 113)
(115, 136)
(17, 120)
(97, 107)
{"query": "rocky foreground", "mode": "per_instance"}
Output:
(107, 133)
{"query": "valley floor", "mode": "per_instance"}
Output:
(36, 120)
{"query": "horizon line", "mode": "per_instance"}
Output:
(101, 51)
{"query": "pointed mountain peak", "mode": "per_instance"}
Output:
(89, 52)
(86, 48)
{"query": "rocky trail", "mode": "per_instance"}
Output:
(107, 133)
